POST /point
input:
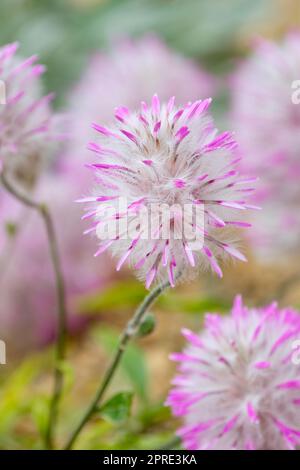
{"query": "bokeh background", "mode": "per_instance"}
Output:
(185, 47)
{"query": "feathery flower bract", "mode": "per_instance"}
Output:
(237, 385)
(163, 156)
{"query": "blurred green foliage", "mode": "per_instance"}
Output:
(24, 407)
(127, 294)
(122, 294)
(22, 413)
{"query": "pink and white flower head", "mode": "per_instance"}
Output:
(167, 156)
(267, 122)
(24, 115)
(238, 386)
(132, 71)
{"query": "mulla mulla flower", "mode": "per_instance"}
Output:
(171, 156)
(238, 385)
(266, 118)
(25, 115)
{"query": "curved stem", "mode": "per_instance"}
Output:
(130, 330)
(61, 301)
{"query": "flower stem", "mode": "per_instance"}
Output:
(44, 212)
(130, 330)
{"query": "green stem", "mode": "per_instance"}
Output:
(44, 212)
(130, 330)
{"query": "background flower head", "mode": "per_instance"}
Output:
(167, 155)
(25, 117)
(237, 387)
(28, 308)
(267, 123)
(132, 71)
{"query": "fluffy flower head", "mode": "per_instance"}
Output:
(24, 115)
(167, 157)
(238, 381)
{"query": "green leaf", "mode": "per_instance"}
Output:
(117, 409)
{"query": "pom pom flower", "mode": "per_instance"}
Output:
(24, 115)
(167, 157)
(266, 117)
(238, 386)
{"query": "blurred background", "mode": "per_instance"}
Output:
(100, 54)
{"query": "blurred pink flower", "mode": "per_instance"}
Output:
(238, 386)
(132, 71)
(267, 123)
(25, 116)
(28, 306)
(165, 155)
